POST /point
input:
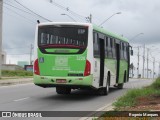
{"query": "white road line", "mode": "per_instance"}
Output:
(106, 107)
(17, 85)
(21, 99)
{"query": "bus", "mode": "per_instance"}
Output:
(72, 55)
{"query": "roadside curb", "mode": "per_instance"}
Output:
(15, 81)
(107, 107)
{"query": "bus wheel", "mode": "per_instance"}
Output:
(63, 90)
(107, 85)
(120, 86)
(104, 91)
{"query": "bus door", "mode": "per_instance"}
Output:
(102, 58)
(117, 45)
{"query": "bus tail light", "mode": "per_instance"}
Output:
(87, 68)
(36, 67)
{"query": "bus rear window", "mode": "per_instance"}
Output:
(63, 36)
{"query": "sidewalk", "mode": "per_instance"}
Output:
(12, 81)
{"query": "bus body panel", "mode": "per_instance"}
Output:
(123, 68)
(62, 65)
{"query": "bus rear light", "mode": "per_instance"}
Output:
(36, 67)
(87, 71)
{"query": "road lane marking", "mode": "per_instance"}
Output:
(21, 99)
(17, 85)
(106, 107)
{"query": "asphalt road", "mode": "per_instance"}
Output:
(29, 97)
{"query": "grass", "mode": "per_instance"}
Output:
(16, 73)
(129, 99)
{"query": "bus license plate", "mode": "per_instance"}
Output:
(61, 81)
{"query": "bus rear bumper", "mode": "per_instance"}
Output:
(72, 82)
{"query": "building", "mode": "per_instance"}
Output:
(11, 67)
(22, 63)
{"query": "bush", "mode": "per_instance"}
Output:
(156, 84)
(11, 73)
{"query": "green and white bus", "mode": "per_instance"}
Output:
(79, 56)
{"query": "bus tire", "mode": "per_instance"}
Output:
(107, 84)
(104, 91)
(63, 90)
(120, 86)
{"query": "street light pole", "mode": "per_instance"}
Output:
(138, 64)
(1, 19)
(143, 61)
(31, 54)
(108, 18)
(153, 66)
(159, 70)
(147, 60)
(135, 36)
(69, 17)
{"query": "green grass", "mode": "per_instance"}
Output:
(10, 73)
(129, 99)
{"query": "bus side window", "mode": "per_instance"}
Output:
(127, 51)
(113, 48)
(96, 45)
(122, 50)
(110, 48)
(106, 47)
(94, 37)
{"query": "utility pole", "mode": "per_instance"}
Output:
(147, 60)
(31, 54)
(138, 64)
(153, 66)
(90, 18)
(143, 61)
(159, 70)
(1, 19)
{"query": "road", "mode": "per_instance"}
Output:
(29, 97)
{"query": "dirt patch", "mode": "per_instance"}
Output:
(145, 103)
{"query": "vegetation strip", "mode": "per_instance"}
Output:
(12, 73)
(133, 97)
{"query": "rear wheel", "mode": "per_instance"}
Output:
(120, 86)
(104, 91)
(63, 90)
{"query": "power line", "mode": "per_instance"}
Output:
(32, 11)
(20, 15)
(17, 48)
(21, 9)
(68, 10)
(18, 9)
(20, 54)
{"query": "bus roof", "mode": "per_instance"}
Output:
(99, 29)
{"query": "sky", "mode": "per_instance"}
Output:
(137, 16)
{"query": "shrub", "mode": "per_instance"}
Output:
(10, 73)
